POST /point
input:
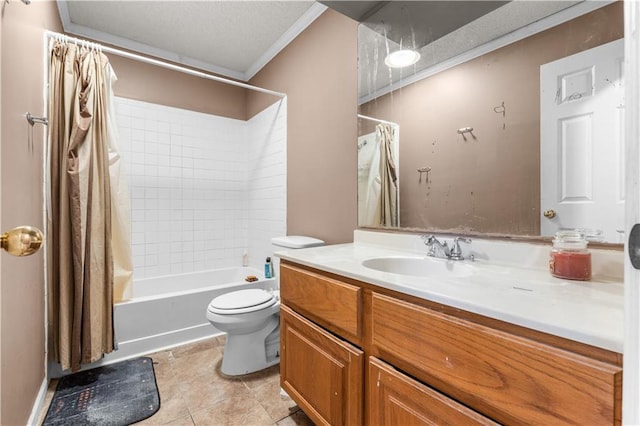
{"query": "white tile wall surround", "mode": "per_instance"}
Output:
(204, 188)
(266, 180)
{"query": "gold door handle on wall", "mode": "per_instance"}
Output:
(22, 241)
(549, 214)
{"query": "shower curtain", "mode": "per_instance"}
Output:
(388, 177)
(81, 267)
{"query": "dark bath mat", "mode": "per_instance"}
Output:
(115, 395)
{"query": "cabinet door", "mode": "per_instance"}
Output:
(322, 373)
(396, 399)
(512, 379)
(333, 304)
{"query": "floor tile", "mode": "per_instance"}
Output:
(183, 421)
(172, 405)
(299, 418)
(233, 411)
(193, 391)
(193, 348)
(277, 405)
(201, 394)
(259, 378)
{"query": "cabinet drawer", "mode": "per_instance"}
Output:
(322, 373)
(396, 399)
(331, 303)
(508, 378)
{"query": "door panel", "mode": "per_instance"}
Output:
(581, 147)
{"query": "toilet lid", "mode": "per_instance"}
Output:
(241, 301)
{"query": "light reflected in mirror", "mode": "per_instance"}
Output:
(519, 136)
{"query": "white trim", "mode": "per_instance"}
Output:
(38, 404)
(519, 34)
(46, 64)
(631, 371)
(300, 25)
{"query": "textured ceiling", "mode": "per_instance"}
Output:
(233, 38)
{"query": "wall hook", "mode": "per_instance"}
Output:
(33, 119)
(464, 130)
(422, 170)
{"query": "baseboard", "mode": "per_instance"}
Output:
(38, 404)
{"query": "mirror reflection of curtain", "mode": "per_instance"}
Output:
(388, 177)
(81, 268)
(377, 178)
(368, 179)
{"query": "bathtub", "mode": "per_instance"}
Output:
(171, 310)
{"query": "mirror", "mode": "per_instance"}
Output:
(510, 123)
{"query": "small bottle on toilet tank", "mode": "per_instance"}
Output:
(268, 268)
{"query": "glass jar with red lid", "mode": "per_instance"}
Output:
(570, 258)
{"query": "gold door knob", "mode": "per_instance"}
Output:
(22, 241)
(549, 214)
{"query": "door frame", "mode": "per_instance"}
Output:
(631, 371)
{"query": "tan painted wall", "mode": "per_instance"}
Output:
(149, 83)
(23, 332)
(318, 72)
(489, 184)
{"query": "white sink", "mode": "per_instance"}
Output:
(419, 266)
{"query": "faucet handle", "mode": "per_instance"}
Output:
(456, 251)
(429, 241)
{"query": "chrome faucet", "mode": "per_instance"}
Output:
(456, 252)
(432, 242)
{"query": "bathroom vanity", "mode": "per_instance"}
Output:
(494, 344)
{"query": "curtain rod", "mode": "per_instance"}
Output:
(58, 36)
(377, 119)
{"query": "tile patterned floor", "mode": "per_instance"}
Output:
(194, 392)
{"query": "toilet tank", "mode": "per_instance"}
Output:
(291, 242)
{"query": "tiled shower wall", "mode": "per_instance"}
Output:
(267, 180)
(191, 178)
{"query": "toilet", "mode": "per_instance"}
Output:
(251, 319)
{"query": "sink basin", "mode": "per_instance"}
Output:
(419, 266)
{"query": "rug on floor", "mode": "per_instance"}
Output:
(115, 395)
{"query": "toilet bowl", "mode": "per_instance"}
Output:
(251, 319)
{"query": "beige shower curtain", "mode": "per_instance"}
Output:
(81, 270)
(388, 177)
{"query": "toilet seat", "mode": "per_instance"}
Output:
(241, 302)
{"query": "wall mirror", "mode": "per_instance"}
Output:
(509, 124)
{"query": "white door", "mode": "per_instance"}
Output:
(581, 146)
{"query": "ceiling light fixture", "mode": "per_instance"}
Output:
(402, 58)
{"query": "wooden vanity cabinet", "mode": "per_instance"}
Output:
(510, 378)
(394, 398)
(332, 303)
(404, 361)
(322, 373)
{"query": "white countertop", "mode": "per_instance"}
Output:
(590, 312)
